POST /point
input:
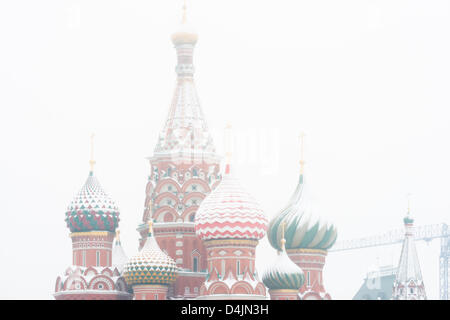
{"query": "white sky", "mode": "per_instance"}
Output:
(368, 81)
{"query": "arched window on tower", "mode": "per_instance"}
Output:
(308, 280)
(223, 269)
(195, 264)
(97, 258)
(195, 256)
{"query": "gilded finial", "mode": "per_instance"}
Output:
(302, 152)
(184, 19)
(409, 203)
(118, 236)
(92, 161)
(227, 146)
(150, 227)
(283, 240)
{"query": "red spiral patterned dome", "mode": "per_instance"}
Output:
(229, 212)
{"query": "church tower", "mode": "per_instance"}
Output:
(408, 284)
(307, 238)
(92, 218)
(184, 170)
(231, 222)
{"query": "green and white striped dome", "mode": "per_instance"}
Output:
(283, 274)
(304, 230)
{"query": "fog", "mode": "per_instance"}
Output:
(367, 81)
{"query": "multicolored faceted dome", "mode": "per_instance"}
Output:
(92, 209)
(151, 265)
(304, 230)
(283, 274)
(229, 212)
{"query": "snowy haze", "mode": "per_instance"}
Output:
(368, 81)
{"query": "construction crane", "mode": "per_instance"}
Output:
(426, 233)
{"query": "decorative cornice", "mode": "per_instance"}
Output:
(283, 291)
(224, 242)
(91, 233)
(307, 251)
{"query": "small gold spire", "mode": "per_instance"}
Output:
(409, 203)
(118, 235)
(227, 135)
(283, 240)
(302, 152)
(150, 226)
(184, 19)
(92, 161)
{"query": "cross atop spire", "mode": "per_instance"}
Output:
(302, 152)
(409, 203)
(283, 240)
(92, 161)
(184, 19)
(150, 227)
(117, 236)
(227, 147)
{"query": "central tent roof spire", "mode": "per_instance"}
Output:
(302, 152)
(185, 137)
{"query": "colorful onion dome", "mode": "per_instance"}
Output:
(151, 265)
(92, 209)
(185, 33)
(229, 212)
(284, 273)
(304, 230)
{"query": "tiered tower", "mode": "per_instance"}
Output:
(92, 218)
(408, 284)
(151, 271)
(230, 222)
(307, 238)
(184, 169)
(284, 278)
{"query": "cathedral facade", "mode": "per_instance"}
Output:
(199, 230)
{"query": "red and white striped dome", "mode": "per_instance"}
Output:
(229, 212)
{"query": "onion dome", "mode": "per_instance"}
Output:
(151, 265)
(92, 209)
(304, 230)
(185, 33)
(229, 212)
(119, 258)
(284, 273)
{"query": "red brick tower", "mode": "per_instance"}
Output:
(408, 284)
(92, 218)
(184, 170)
(230, 222)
